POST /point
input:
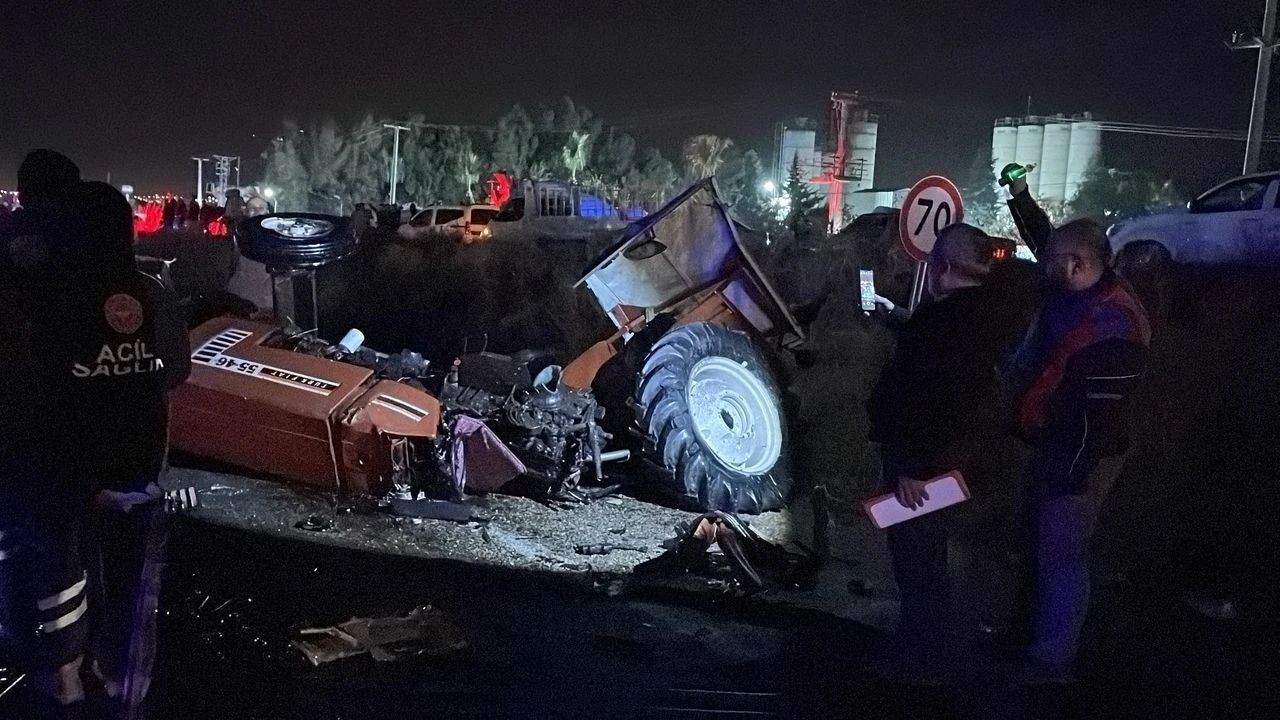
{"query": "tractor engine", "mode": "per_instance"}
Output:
(548, 425)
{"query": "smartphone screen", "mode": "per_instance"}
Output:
(867, 288)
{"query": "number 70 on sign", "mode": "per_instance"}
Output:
(930, 205)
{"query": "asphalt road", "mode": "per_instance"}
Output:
(545, 645)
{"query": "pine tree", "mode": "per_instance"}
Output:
(982, 203)
(804, 216)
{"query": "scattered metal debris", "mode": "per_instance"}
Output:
(425, 631)
(431, 509)
(751, 561)
(316, 523)
(605, 549)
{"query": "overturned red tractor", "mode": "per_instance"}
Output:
(689, 367)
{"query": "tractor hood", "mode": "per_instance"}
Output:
(679, 254)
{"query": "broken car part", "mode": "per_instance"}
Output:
(425, 631)
(315, 523)
(605, 549)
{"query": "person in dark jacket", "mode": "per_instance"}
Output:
(27, 237)
(1074, 376)
(933, 409)
(180, 214)
(109, 344)
(169, 212)
(195, 212)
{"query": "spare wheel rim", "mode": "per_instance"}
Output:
(734, 415)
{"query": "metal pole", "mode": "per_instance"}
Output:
(1257, 117)
(395, 159)
(395, 165)
(917, 286)
(199, 178)
(237, 171)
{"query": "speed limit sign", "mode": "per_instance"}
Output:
(930, 205)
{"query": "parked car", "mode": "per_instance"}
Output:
(553, 211)
(1234, 223)
(449, 222)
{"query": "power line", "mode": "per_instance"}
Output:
(1181, 132)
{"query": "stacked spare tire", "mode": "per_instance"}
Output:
(288, 241)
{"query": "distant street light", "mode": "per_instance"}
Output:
(200, 176)
(395, 159)
(769, 187)
(269, 193)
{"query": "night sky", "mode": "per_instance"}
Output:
(136, 88)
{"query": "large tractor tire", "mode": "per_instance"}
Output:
(710, 406)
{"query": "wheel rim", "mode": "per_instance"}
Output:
(303, 228)
(734, 416)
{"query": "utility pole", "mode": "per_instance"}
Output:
(200, 177)
(222, 165)
(1266, 46)
(395, 159)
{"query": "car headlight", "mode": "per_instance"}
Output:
(486, 233)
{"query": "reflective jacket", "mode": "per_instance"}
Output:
(1075, 373)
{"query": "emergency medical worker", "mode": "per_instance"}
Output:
(109, 346)
(27, 237)
(933, 409)
(1073, 375)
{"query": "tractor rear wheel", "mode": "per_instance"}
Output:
(710, 407)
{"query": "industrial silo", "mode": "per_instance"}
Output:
(1054, 158)
(1086, 148)
(1004, 143)
(795, 138)
(1030, 147)
(863, 128)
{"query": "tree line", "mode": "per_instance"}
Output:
(326, 167)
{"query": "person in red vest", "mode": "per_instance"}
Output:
(1074, 376)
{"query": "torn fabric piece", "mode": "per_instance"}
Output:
(478, 460)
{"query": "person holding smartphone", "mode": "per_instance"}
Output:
(932, 410)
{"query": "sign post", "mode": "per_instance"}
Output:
(931, 204)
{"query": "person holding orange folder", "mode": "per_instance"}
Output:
(933, 408)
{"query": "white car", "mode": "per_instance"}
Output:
(554, 211)
(1234, 223)
(451, 222)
